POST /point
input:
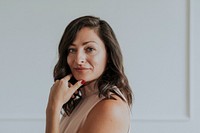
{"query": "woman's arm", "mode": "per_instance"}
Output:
(60, 93)
(52, 119)
(108, 116)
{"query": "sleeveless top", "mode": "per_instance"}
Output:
(74, 122)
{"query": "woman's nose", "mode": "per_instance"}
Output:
(80, 58)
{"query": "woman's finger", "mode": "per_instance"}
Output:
(67, 78)
(76, 86)
(69, 84)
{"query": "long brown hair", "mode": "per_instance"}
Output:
(114, 72)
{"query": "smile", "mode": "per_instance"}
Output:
(81, 69)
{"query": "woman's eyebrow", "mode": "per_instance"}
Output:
(89, 42)
(84, 43)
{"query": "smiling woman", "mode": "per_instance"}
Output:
(87, 56)
(90, 89)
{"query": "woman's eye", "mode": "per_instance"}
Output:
(90, 49)
(71, 50)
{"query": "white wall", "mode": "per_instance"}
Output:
(160, 42)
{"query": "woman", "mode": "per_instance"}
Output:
(90, 89)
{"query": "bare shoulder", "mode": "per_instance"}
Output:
(109, 115)
(111, 107)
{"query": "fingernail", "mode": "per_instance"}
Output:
(82, 82)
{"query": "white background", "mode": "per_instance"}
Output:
(159, 40)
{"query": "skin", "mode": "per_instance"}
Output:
(108, 116)
(60, 93)
(87, 59)
(87, 56)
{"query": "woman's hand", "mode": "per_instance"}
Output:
(61, 92)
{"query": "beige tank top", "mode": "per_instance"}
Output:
(74, 122)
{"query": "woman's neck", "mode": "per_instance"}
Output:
(89, 89)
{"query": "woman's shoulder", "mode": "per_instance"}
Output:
(108, 115)
(113, 105)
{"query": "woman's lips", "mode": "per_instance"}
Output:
(81, 69)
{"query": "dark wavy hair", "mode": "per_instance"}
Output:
(114, 72)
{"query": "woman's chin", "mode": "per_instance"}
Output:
(81, 78)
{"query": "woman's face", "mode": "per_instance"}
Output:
(87, 56)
